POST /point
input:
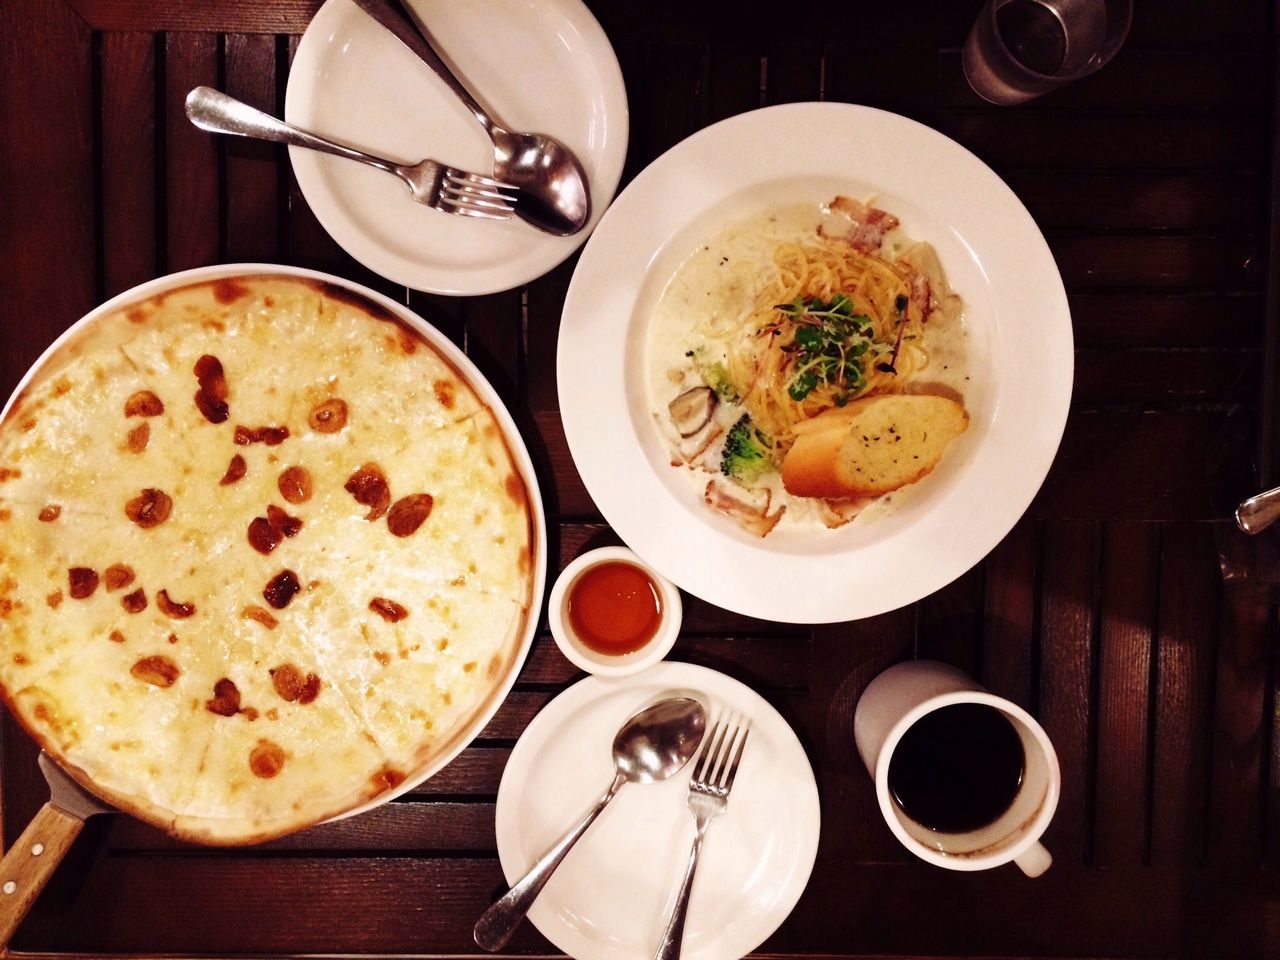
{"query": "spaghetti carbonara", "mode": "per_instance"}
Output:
(784, 317)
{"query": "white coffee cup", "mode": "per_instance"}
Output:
(901, 696)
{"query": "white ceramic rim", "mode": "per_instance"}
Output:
(599, 664)
(682, 679)
(544, 251)
(1004, 853)
(461, 362)
(972, 500)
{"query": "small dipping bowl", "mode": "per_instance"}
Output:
(608, 598)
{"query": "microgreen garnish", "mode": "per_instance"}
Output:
(828, 344)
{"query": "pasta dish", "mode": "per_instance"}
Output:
(786, 327)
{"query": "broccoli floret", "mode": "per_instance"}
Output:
(745, 456)
(717, 378)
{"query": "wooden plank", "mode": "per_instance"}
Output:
(50, 219)
(442, 312)
(252, 167)
(1120, 465)
(563, 492)
(193, 229)
(1168, 320)
(1010, 616)
(773, 663)
(900, 77)
(1187, 25)
(544, 301)
(1183, 706)
(1227, 201)
(231, 904)
(951, 623)
(1130, 554)
(129, 169)
(1160, 376)
(1068, 621)
(1180, 25)
(200, 16)
(1158, 142)
(1141, 80)
(411, 828)
(476, 772)
(1241, 735)
(494, 341)
(793, 73)
(924, 912)
(1109, 261)
(844, 658)
(733, 80)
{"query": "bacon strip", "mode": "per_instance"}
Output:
(859, 225)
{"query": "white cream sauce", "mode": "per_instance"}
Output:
(714, 290)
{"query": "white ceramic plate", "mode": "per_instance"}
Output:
(611, 897)
(1019, 343)
(540, 65)
(462, 363)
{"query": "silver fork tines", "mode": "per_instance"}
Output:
(472, 195)
(715, 769)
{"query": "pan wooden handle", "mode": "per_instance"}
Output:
(30, 862)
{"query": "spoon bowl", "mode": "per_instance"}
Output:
(552, 185)
(659, 740)
(651, 746)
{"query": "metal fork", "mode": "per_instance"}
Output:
(716, 767)
(431, 183)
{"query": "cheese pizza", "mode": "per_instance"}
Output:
(264, 554)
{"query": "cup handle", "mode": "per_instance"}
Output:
(1035, 860)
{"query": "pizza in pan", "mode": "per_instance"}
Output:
(264, 554)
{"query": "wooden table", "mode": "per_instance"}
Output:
(1124, 610)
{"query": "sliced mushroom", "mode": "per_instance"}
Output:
(691, 411)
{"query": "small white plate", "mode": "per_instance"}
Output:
(611, 897)
(1018, 338)
(541, 65)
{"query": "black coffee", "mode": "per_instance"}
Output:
(958, 768)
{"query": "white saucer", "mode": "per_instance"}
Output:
(545, 67)
(611, 897)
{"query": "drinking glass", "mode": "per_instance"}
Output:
(1020, 49)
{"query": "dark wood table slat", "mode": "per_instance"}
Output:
(193, 229)
(1188, 620)
(1121, 794)
(1068, 625)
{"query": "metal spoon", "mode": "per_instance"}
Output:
(1259, 512)
(651, 746)
(553, 187)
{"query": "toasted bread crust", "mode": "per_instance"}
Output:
(873, 446)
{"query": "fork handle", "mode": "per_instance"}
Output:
(499, 922)
(673, 936)
(217, 112)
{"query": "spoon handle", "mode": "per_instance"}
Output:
(217, 112)
(499, 922)
(392, 15)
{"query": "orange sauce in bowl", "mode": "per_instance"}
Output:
(614, 608)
